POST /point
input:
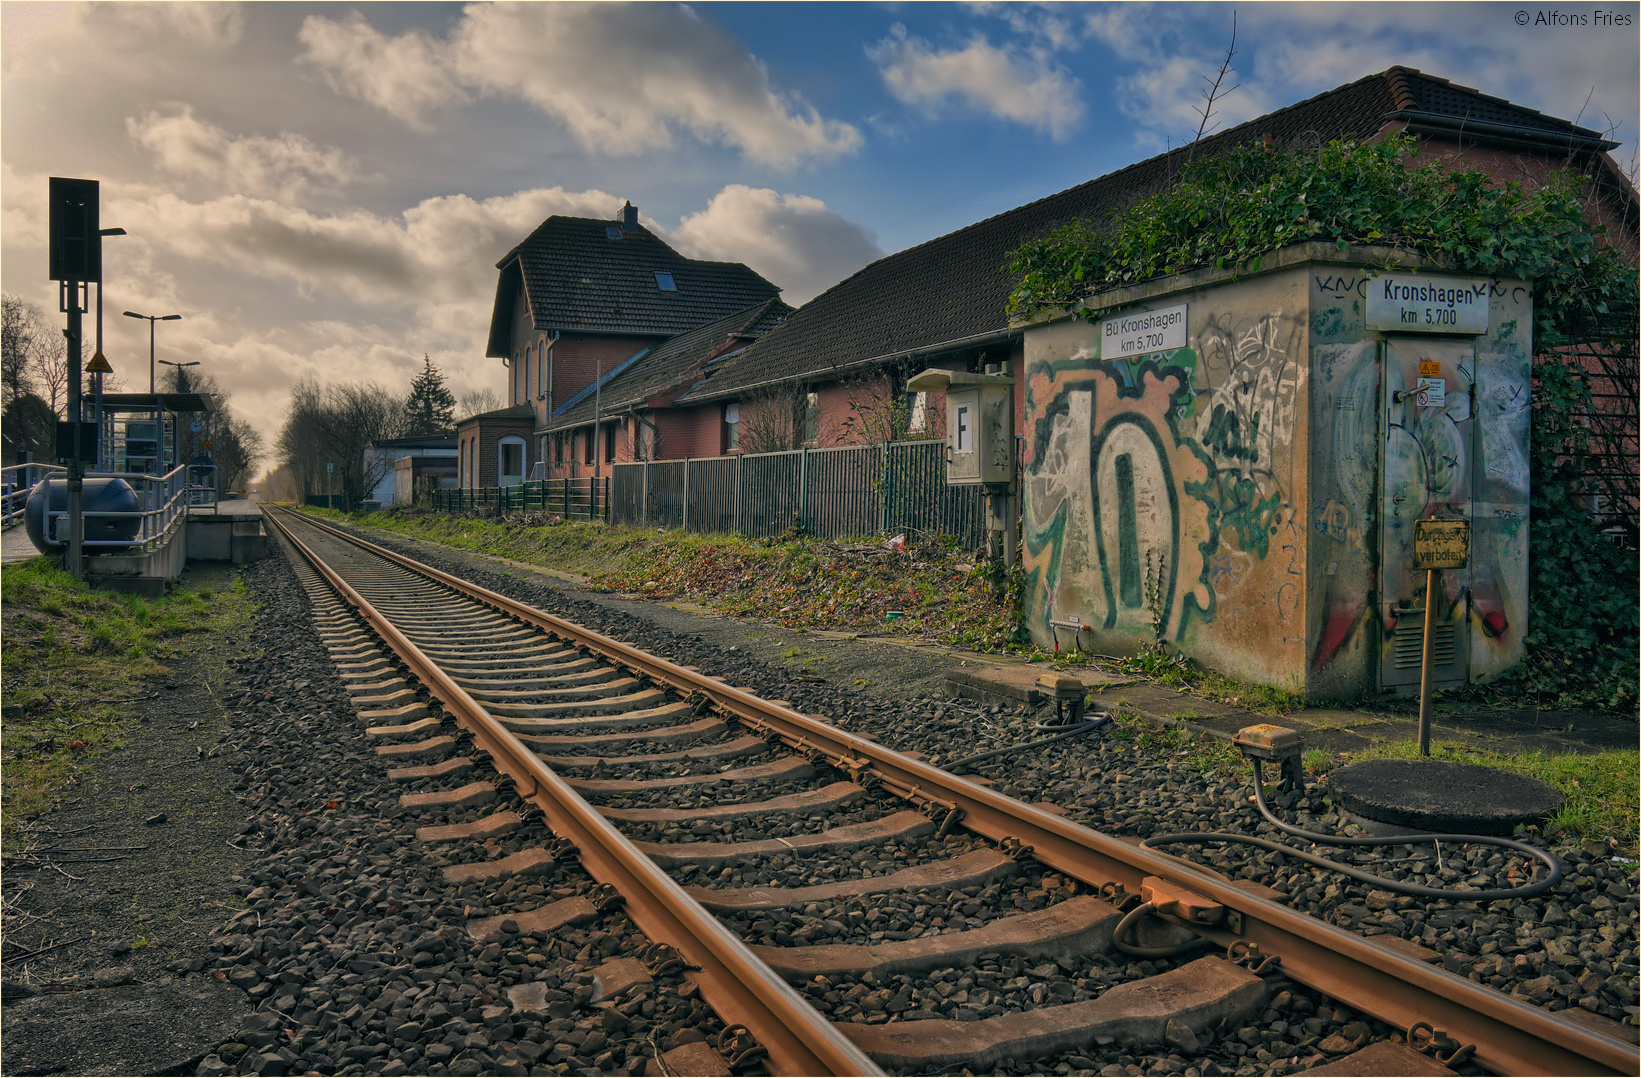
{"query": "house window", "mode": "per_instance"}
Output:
(612, 231)
(587, 438)
(917, 412)
(609, 443)
(732, 427)
(558, 449)
(811, 417)
(664, 281)
(510, 461)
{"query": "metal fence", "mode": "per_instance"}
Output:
(830, 493)
(585, 498)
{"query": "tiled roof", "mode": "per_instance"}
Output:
(675, 365)
(588, 275)
(512, 411)
(955, 287)
(1414, 90)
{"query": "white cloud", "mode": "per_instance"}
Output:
(444, 247)
(1047, 23)
(404, 76)
(280, 168)
(793, 240)
(1009, 83)
(622, 78)
(212, 25)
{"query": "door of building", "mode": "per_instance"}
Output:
(1427, 457)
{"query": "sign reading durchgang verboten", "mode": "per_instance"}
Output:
(1143, 331)
(1414, 303)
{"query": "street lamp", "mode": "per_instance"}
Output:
(182, 383)
(152, 318)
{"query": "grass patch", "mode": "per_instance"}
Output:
(1207, 753)
(73, 660)
(797, 582)
(1600, 787)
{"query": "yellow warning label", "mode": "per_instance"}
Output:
(1430, 368)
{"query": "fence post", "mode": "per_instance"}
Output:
(803, 490)
(883, 490)
(739, 479)
(607, 479)
(644, 496)
(685, 526)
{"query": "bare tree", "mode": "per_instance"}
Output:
(22, 333)
(236, 446)
(476, 401)
(775, 419)
(329, 432)
(1213, 93)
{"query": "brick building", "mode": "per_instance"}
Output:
(579, 298)
(493, 448)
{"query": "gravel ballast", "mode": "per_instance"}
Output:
(1574, 946)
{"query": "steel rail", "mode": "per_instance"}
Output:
(1510, 1036)
(741, 987)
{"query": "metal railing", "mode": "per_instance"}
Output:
(830, 493)
(583, 498)
(163, 502)
(16, 481)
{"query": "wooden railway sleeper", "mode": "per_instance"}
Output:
(1424, 1038)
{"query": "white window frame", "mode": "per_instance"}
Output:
(501, 450)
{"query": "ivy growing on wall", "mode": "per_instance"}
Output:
(1231, 210)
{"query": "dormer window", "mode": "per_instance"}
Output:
(664, 281)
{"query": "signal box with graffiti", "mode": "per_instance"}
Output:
(1232, 464)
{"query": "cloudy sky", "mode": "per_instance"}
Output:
(324, 189)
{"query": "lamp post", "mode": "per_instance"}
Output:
(152, 318)
(182, 382)
(182, 387)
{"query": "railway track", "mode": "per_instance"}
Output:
(708, 810)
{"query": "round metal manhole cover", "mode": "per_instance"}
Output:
(1435, 795)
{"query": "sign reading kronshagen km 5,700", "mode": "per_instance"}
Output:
(1142, 332)
(1419, 304)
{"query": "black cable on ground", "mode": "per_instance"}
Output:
(1418, 889)
(1090, 722)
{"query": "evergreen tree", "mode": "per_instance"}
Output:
(430, 409)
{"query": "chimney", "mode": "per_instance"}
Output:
(629, 218)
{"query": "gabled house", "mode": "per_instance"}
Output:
(942, 303)
(580, 296)
(634, 401)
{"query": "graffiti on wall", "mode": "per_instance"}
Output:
(1185, 490)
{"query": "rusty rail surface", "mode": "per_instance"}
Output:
(1508, 1035)
(741, 987)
